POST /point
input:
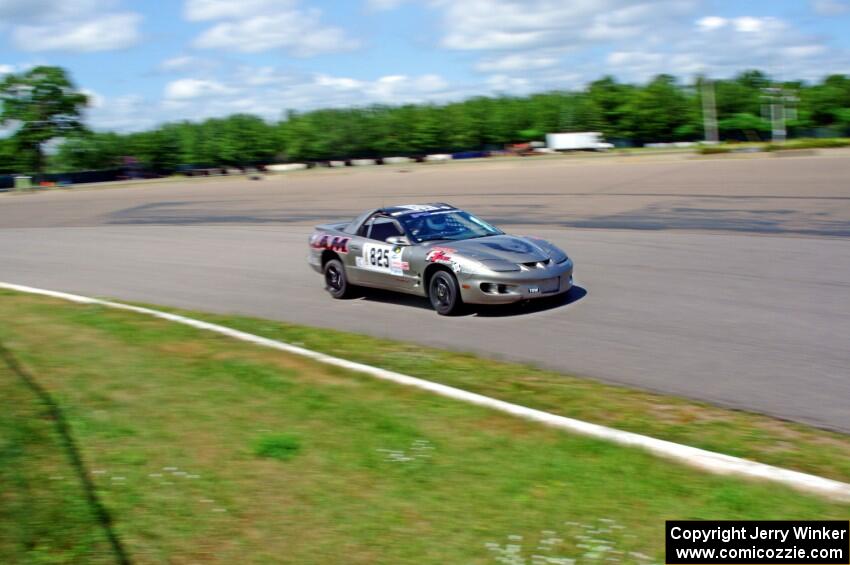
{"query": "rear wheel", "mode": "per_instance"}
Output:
(336, 283)
(444, 293)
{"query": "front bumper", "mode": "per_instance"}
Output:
(515, 286)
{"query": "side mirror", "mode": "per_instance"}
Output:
(398, 240)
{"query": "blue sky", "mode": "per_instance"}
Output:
(144, 63)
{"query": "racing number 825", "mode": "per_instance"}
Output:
(379, 257)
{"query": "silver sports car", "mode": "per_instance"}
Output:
(437, 251)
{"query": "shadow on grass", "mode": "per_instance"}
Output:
(73, 452)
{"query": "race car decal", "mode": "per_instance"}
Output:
(331, 242)
(443, 255)
(439, 255)
(385, 258)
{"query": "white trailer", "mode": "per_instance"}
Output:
(585, 140)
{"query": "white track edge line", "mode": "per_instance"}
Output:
(692, 456)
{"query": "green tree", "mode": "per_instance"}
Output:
(662, 110)
(657, 110)
(8, 156)
(88, 151)
(425, 134)
(612, 99)
(41, 104)
(744, 126)
(826, 104)
(579, 112)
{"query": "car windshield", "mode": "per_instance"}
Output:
(445, 224)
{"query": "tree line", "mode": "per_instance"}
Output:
(661, 110)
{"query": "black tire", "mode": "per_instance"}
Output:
(336, 283)
(444, 293)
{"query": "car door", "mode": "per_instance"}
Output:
(352, 259)
(381, 264)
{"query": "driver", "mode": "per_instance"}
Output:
(431, 226)
(436, 223)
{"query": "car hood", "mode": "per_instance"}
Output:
(504, 247)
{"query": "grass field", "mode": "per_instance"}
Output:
(743, 434)
(203, 449)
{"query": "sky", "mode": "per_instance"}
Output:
(147, 62)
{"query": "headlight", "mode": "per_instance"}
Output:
(500, 266)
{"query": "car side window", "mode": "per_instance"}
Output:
(365, 227)
(380, 228)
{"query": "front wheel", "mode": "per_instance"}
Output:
(444, 293)
(336, 283)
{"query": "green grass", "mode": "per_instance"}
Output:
(734, 432)
(791, 144)
(277, 446)
(808, 143)
(204, 449)
(44, 514)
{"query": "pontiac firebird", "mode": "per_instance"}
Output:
(440, 252)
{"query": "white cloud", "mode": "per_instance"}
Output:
(726, 46)
(641, 65)
(69, 25)
(749, 24)
(517, 24)
(709, 23)
(339, 83)
(626, 58)
(198, 99)
(261, 76)
(743, 24)
(830, 7)
(274, 91)
(391, 89)
(253, 26)
(190, 88)
(45, 11)
(516, 62)
(550, 42)
(804, 51)
(123, 113)
(104, 33)
(508, 84)
(6, 69)
(430, 83)
(297, 32)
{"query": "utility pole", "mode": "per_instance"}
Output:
(777, 114)
(709, 111)
(777, 97)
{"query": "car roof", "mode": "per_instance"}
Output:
(404, 209)
(395, 212)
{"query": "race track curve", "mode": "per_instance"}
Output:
(732, 316)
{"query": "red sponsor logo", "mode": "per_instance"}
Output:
(331, 242)
(439, 254)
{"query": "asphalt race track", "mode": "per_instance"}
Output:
(721, 280)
